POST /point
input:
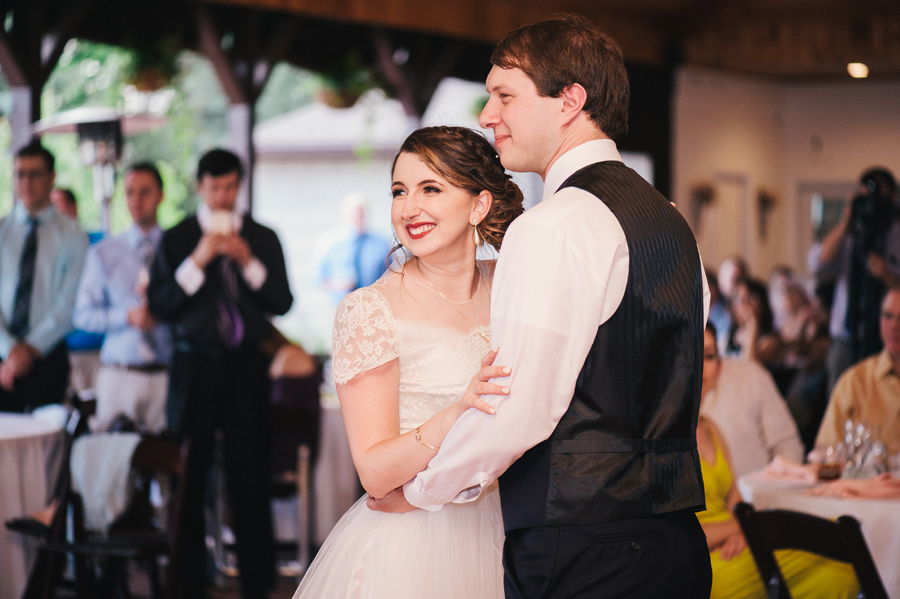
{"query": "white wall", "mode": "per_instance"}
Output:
(836, 132)
(744, 133)
(728, 132)
(300, 198)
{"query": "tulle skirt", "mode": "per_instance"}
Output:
(452, 553)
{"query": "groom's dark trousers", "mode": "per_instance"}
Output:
(653, 557)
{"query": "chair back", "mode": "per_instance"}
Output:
(157, 457)
(76, 425)
(295, 416)
(49, 567)
(767, 531)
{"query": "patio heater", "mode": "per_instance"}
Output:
(100, 136)
(100, 146)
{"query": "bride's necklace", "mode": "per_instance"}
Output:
(454, 304)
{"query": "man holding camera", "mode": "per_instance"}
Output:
(862, 256)
(216, 279)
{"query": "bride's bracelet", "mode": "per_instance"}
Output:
(419, 439)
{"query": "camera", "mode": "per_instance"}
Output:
(870, 217)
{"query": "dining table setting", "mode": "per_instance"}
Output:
(853, 479)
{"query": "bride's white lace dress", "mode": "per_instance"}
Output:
(451, 553)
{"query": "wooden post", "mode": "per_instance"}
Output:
(28, 55)
(243, 72)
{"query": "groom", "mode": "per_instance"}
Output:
(599, 303)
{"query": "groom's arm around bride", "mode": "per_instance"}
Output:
(598, 305)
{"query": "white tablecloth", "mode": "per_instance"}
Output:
(878, 518)
(30, 452)
(336, 483)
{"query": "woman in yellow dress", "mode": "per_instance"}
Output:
(734, 571)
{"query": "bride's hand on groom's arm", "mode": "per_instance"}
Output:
(394, 502)
(481, 384)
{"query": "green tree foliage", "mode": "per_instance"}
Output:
(91, 74)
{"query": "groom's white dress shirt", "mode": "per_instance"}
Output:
(562, 272)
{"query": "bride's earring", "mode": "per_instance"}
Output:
(475, 230)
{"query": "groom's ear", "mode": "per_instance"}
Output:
(573, 97)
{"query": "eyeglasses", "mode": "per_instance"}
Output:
(32, 174)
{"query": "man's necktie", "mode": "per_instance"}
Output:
(146, 251)
(231, 324)
(19, 324)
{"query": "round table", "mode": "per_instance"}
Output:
(30, 454)
(878, 518)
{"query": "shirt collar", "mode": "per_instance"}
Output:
(204, 218)
(134, 235)
(597, 150)
(884, 366)
(41, 217)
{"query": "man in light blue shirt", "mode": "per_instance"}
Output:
(41, 256)
(136, 350)
(352, 257)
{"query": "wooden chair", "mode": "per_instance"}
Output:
(295, 423)
(135, 535)
(295, 418)
(769, 530)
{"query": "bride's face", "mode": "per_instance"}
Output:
(429, 214)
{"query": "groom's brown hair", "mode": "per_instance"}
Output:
(570, 49)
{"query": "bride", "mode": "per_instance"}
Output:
(405, 350)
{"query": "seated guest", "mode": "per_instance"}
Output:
(731, 271)
(734, 571)
(111, 299)
(753, 334)
(740, 397)
(719, 311)
(869, 392)
(802, 370)
(41, 256)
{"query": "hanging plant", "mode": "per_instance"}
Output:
(346, 81)
(154, 65)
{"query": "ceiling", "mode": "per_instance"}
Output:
(795, 39)
(412, 44)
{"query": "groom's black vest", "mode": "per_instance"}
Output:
(627, 445)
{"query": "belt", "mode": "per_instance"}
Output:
(142, 367)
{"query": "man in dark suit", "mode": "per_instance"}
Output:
(216, 279)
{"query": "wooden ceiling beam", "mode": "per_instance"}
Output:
(473, 20)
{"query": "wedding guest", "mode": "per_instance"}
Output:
(133, 379)
(216, 279)
(753, 335)
(860, 257)
(41, 257)
(869, 392)
(353, 256)
(740, 397)
(63, 199)
(734, 572)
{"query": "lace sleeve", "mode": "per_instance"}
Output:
(364, 335)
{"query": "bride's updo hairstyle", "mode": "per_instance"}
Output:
(466, 160)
